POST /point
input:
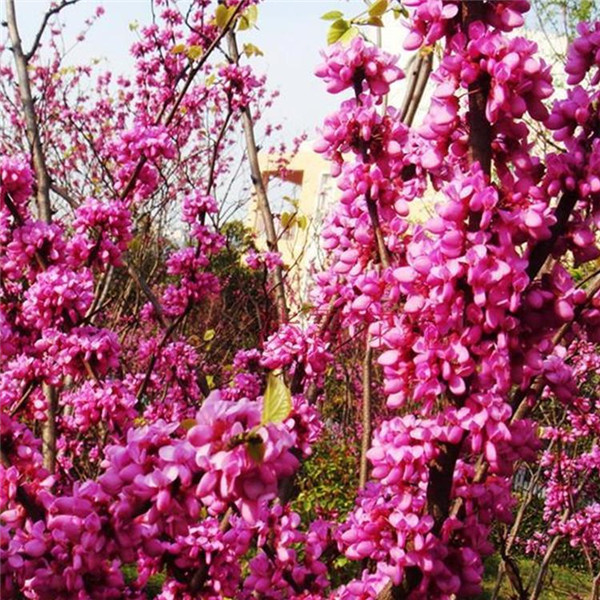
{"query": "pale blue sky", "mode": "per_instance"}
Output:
(290, 33)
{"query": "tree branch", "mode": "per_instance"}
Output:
(23, 498)
(141, 283)
(188, 82)
(419, 77)
(31, 123)
(262, 199)
(49, 428)
(38, 38)
(543, 249)
(480, 129)
(366, 414)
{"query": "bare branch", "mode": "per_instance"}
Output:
(32, 509)
(366, 413)
(38, 37)
(261, 193)
(543, 249)
(419, 76)
(141, 283)
(33, 134)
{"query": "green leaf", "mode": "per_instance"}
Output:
(378, 8)
(376, 21)
(209, 334)
(255, 447)
(252, 14)
(302, 221)
(248, 18)
(194, 52)
(293, 201)
(222, 15)
(332, 15)
(400, 12)
(350, 34)
(337, 30)
(286, 219)
(277, 401)
(252, 50)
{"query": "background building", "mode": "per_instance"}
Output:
(302, 193)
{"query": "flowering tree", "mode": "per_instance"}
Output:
(126, 449)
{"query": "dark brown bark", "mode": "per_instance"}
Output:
(441, 474)
(542, 250)
(441, 471)
(480, 130)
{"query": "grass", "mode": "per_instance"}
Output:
(561, 583)
(154, 585)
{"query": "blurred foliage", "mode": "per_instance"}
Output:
(328, 479)
(154, 586)
(243, 313)
(562, 582)
(561, 17)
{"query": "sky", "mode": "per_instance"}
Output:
(290, 33)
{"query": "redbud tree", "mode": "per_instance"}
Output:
(132, 448)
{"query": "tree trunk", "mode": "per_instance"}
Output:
(366, 414)
(262, 199)
(33, 133)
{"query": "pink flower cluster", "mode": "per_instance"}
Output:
(76, 352)
(21, 246)
(227, 457)
(257, 260)
(144, 145)
(584, 54)
(16, 183)
(291, 345)
(57, 297)
(103, 232)
(241, 458)
(278, 571)
(240, 85)
(456, 319)
(108, 404)
(432, 20)
(356, 65)
(196, 204)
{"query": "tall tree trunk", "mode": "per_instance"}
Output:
(42, 180)
(366, 413)
(260, 190)
(31, 122)
(49, 428)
